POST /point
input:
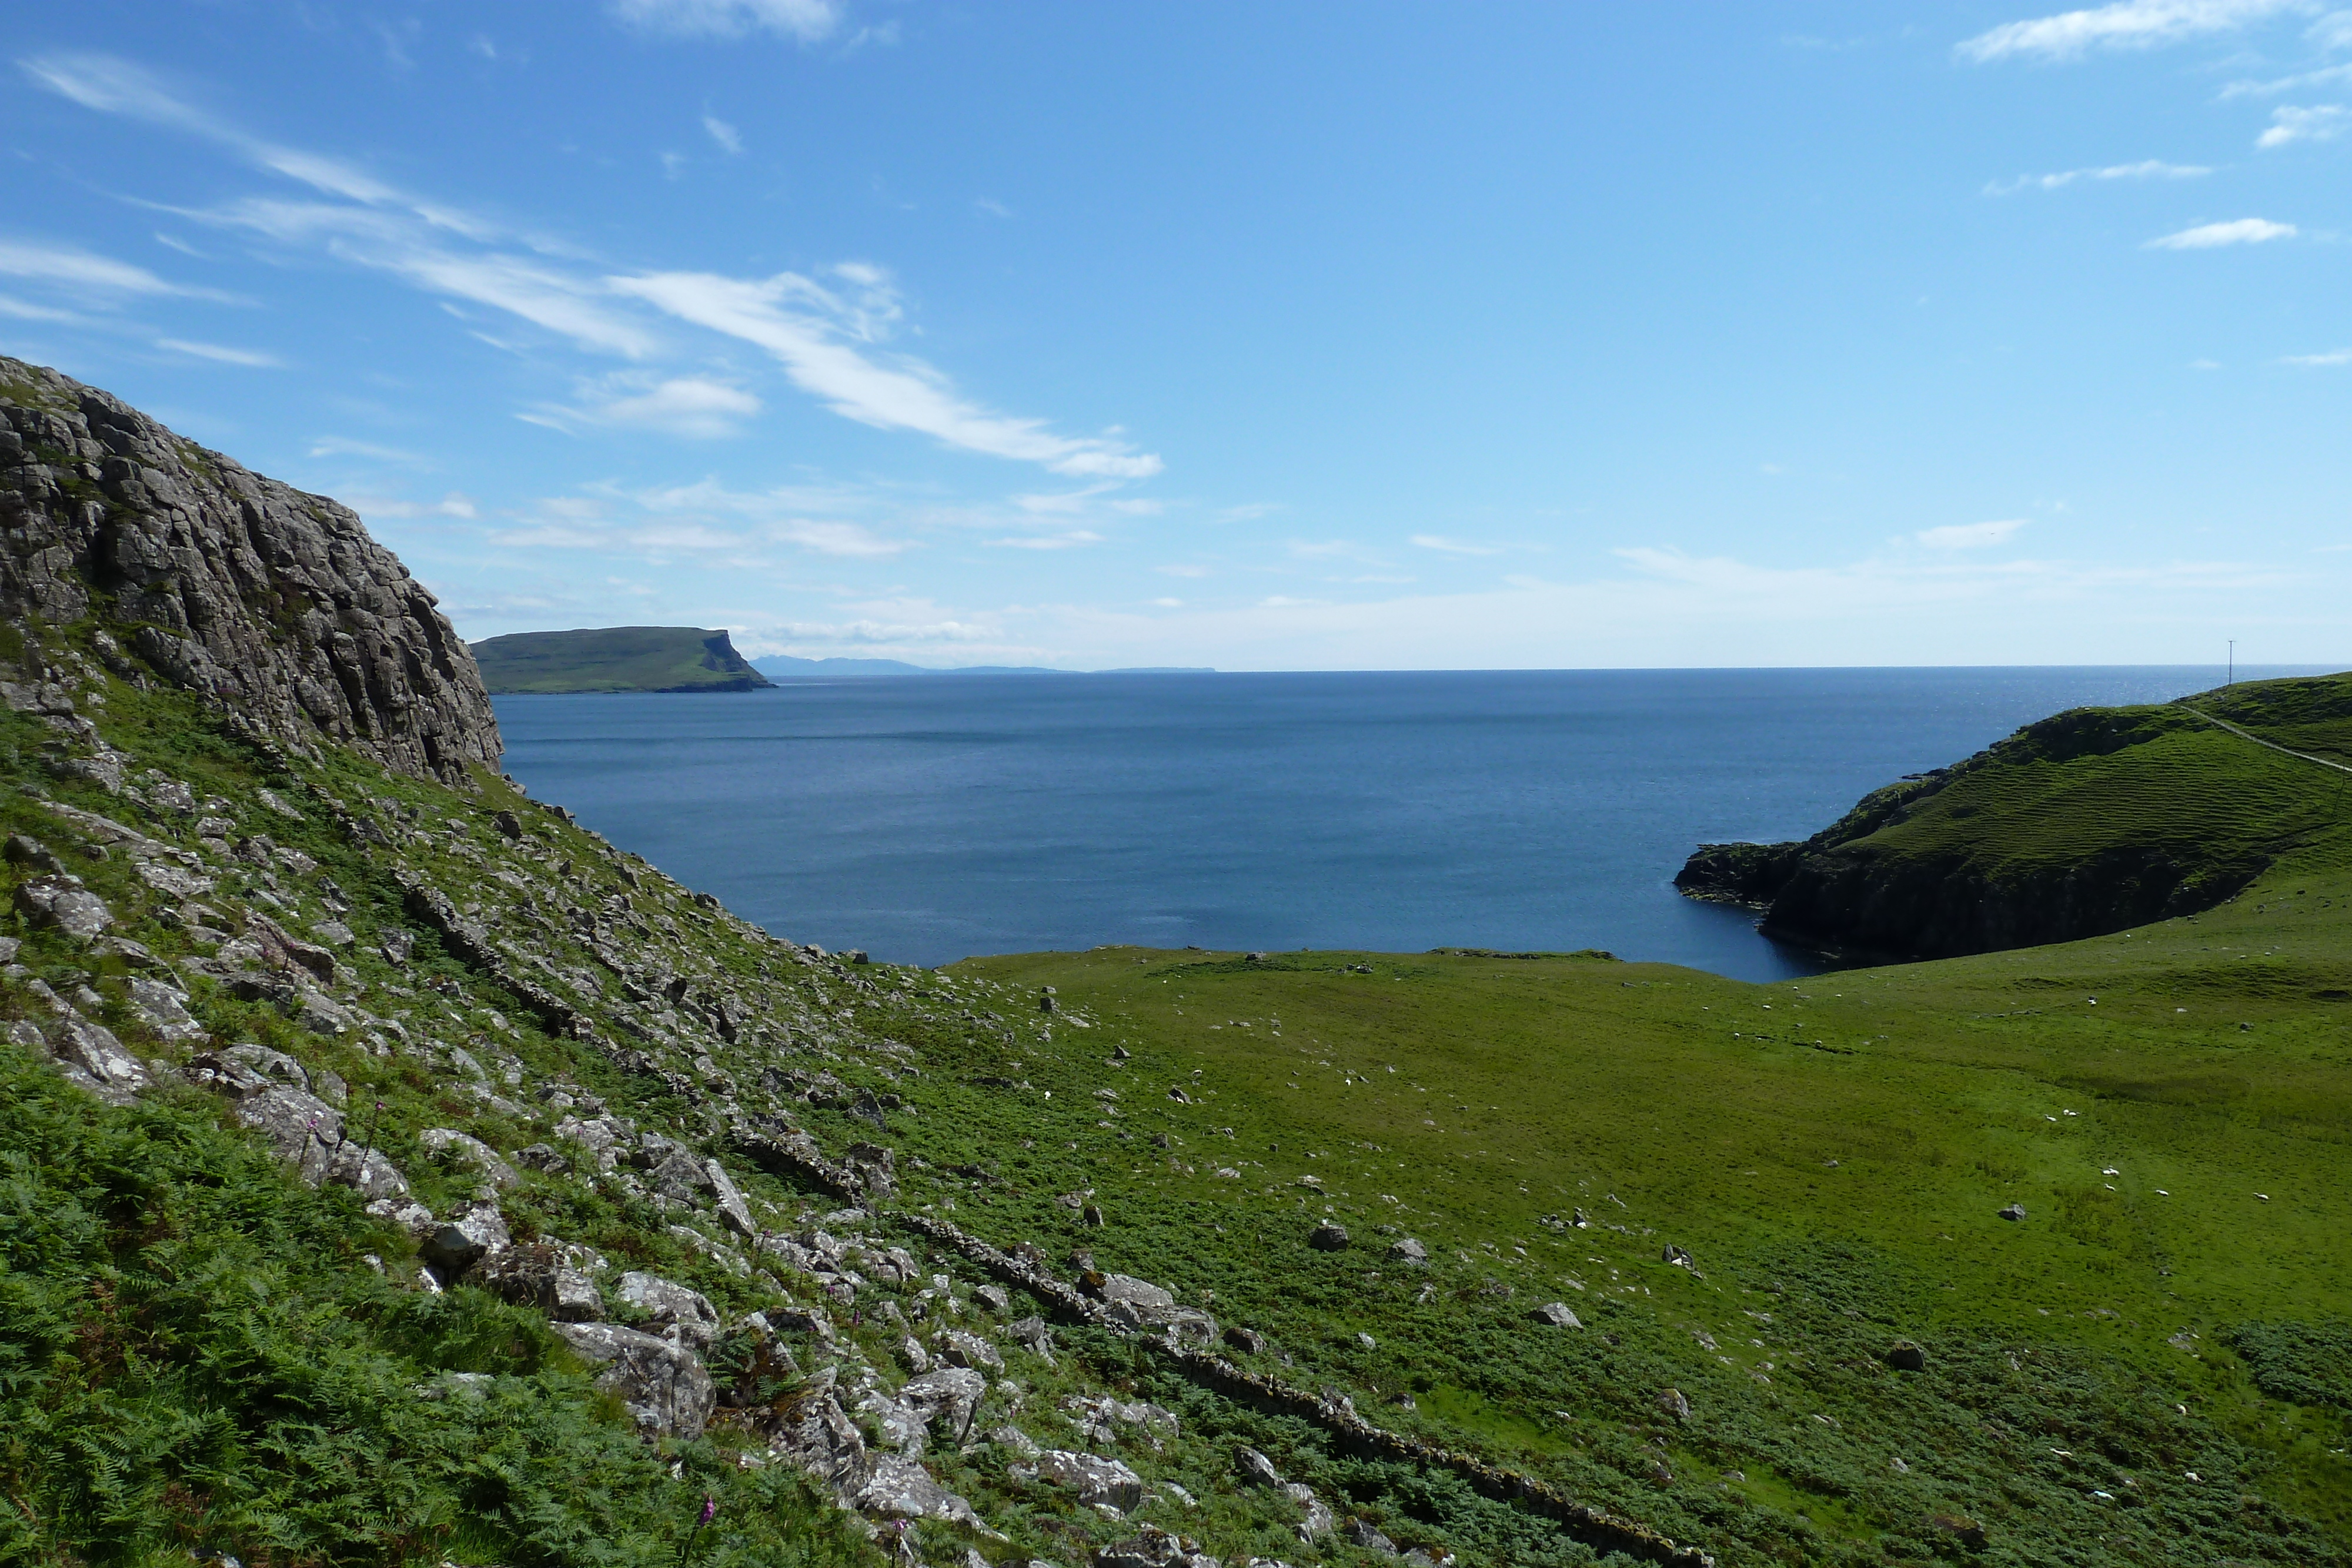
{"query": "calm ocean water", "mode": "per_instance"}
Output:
(930, 818)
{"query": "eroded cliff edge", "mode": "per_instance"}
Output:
(273, 603)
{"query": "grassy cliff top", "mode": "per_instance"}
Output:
(615, 659)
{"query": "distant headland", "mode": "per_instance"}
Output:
(697, 659)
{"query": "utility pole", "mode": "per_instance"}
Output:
(2234, 664)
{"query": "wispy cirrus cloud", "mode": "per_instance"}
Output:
(1445, 546)
(805, 326)
(827, 332)
(2146, 169)
(221, 354)
(1073, 540)
(2126, 25)
(2324, 122)
(86, 273)
(2334, 357)
(699, 408)
(2237, 231)
(804, 20)
(1969, 536)
(729, 139)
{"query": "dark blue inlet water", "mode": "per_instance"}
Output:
(928, 819)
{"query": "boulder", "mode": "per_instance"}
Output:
(681, 1315)
(163, 1009)
(896, 1488)
(303, 1130)
(1249, 1341)
(663, 1384)
(1317, 1519)
(1254, 1469)
(23, 849)
(681, 1178)
(464, 1148)
(543, 1157)
(957, 1348)
(1903, 1356)
(2015, 1211)
(93, 1058)
(729, 1200)
(1408, 1250)
(1673, 1404)
(1362, 1534)
(542, 1274)
(61, 901)
(1092, 1479)
(1328, 1238)
(1558, 1314)
(1032, 1335)
(454, 1245)
(949, 1394)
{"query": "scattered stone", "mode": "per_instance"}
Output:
(1673, 1404)
(995, 1298)
(1093, 1479)
(1254, 1469)
(1408, 1250)
(1319, 1521)
(728, 1199)
(542, 1274)
(663, 1384)
(1559, 1314)
(456, 1245)
(23, 850)
(544, 1158)
(1363, 1535)
(164, 1010)
(90, 1056)
(1329, 1238)
(2015, 1211)
(678, 1314)
(1903, 1356)
(61, 901)
(957, 1348)
(464, 1148)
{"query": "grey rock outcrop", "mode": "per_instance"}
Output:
(665, 1386)
(273, 603)
(678, 1314)
(59, 901)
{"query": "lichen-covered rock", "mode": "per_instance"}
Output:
(59, 901)
(92, 1057)
(678, 1314)
(164, 1010)
(454, 1245)
(274, 604)
(1093, 1479)
(664, 1386)
(466, 1149)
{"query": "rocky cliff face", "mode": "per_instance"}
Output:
(273, 603)
(2032, 840)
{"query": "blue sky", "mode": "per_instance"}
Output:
(1257, 336)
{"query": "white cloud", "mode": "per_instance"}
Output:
(726, 135)
(2146, 169)
(812, 332)
(2127, 24)
(806, 20)
(1169, 604)
(826, 335)
(252, 358)
(24, 310)
(453, 505)
(85, 271)
(341, 446)
(2340, 357)
(993, 208)
(838, 538)
(696, 407)
(2326, 76)
(1439, 542)
(1070, 540)
(2324, 122)
(2238, 231)
(1183, 570)
(1970, 536)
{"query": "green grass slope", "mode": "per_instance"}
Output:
(1751, 1197)
(615, 659)
(2311, 714)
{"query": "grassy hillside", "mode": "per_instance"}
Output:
(1752, 1198)
(615, 659)
(2082, 823)
(2312, 715)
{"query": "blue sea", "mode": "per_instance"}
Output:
(927, 819)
